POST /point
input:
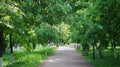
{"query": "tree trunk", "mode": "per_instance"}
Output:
(100, 48)
(97, 49)
(2, 47)
(0, 61)
(115, 54)
(76, 45)
(34, 46)
(100, 52)
(94, 43)
(11, 45)
(11, 49)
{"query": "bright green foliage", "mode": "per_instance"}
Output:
(64, 32)
(46, 33)
(20, 18)
(23, 58)
(42, 21)
(98, 22)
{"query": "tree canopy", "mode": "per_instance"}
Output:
(30, 22)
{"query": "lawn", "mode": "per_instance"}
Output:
(24, 58)
(108, 59)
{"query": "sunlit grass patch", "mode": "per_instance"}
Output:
(28, 59)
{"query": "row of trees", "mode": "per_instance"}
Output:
(30, 22)
(98, 24)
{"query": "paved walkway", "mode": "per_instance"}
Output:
(66, 56)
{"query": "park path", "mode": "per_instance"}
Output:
(66, 56)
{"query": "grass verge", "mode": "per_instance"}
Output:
(108, 59)
(24, 58)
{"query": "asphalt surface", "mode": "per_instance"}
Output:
(66, 56)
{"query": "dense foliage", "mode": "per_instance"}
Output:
(88, 22)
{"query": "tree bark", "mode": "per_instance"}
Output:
(100, 52)
(115, 54)
(11, 45)
(2, 47)
(11, 49)
(0, 61)
(94, 43)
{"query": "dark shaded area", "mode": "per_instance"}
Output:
(2, 48)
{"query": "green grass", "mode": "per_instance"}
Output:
(23, 58)
(108, 59)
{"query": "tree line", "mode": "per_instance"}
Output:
(31, 22)
(88, 22)
(96, 23)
